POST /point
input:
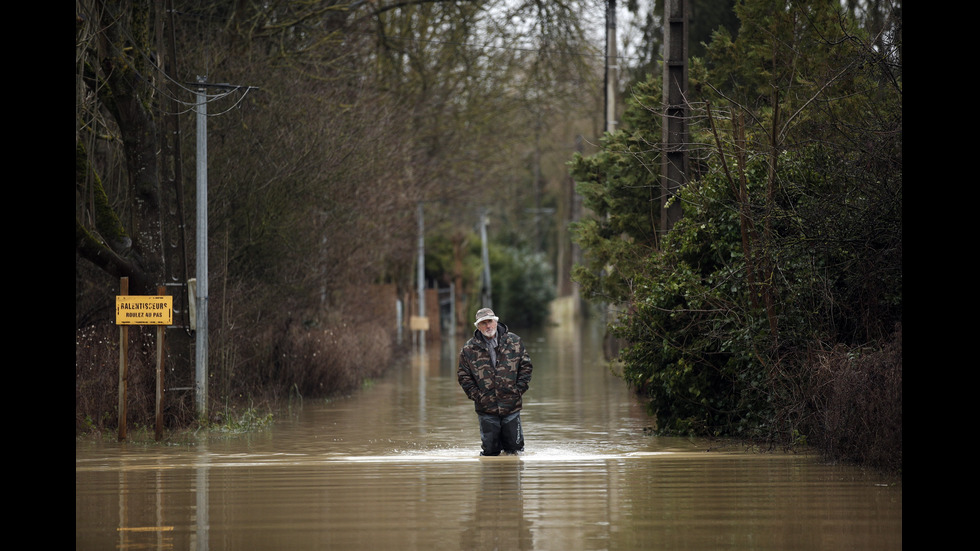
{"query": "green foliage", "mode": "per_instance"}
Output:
(791, 238)
(245, 421)
(620, 185)
(440, 257)
(523, 286)
(691, 330)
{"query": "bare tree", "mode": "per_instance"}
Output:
(117, 172)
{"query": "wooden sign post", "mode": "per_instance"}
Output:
(141, 310)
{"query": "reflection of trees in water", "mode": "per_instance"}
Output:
(498, 519)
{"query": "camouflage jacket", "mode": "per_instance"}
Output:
(495, 390)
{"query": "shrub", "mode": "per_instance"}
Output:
(858, 394)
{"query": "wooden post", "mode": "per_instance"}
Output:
(123, 364)
(160, 356)
(150, 310)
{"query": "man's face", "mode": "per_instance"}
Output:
(488, 328)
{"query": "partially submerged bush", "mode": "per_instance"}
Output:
(860, 391)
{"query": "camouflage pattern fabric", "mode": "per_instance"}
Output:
(495, 390)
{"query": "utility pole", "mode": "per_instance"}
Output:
(201, 280)
(611, 66)
(675, 130)
(486, 294)
(201, 297)
(421, 273)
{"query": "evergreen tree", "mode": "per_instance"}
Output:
(790, 243)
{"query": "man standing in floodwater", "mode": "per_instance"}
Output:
(495, 371)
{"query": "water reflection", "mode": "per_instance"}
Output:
(498, 520)
(397, 467)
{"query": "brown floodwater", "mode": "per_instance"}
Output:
(397, 466)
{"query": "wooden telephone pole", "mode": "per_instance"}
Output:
(675, 129)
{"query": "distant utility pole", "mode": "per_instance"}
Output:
(675, 132)
(611, 66)
(420, 275)
(486, 296)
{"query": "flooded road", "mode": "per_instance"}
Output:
(397, 466)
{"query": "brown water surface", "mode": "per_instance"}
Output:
(396, 466)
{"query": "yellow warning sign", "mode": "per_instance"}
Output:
(144, 310)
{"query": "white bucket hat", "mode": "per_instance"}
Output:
(484, 314)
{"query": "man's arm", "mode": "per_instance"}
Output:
(464, 374)
(524, 369)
